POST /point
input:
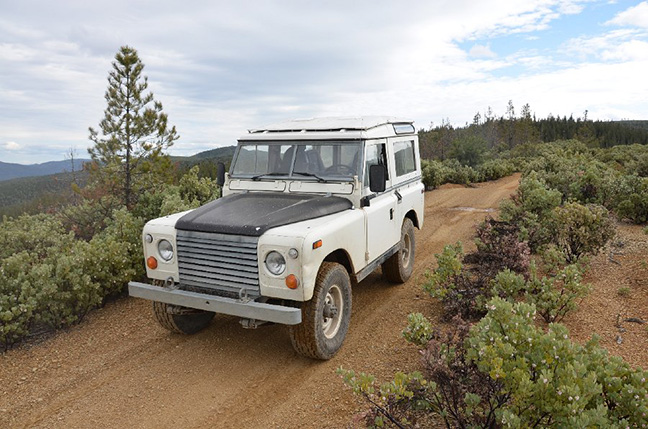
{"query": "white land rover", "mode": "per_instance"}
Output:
(309, 207)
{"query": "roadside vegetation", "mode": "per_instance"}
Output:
(84, 247)
(503, 359)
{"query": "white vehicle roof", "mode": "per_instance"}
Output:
(342, 128)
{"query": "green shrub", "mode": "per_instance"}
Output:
(554, 297)
(419, 330)
(630, 199)
(434, 173)
(530, 208)
(578, 230)
(459, 173)
(18, 299)
(495, 169)
(551, 380)
(460, 291)
(56, 279)
(506, 372)
(397, 402)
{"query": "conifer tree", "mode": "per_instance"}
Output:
(129, 151)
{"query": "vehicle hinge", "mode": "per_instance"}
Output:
(366, 256)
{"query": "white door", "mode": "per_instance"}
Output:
(382, 231)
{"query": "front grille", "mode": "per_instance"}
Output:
(219, 263)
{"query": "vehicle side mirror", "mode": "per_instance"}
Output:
(377, 178)
(220, 174)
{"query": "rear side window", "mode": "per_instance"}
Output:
(404, 157)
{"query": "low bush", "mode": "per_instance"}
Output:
(530, 209)
(434, 173)
(579, 230)
(556, 296)
(506, 372)
(54, 269)
(56, 279)
(498, 248)
(460, 291)
(495, 169)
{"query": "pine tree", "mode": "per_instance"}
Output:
(128, 156)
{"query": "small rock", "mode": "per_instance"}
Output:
(619, 340)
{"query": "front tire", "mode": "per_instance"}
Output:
(326, 317)
(400, 266)
(181, 320)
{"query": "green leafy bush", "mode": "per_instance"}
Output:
(554, 297)
(495, 169)
(50, 278)
(399, 402)
(631, 198)
(419, 330)
(461, 292)
(468, 149)
(530, 208)
(506, 372)
(550, 380)
(434, 173)
(578, 230)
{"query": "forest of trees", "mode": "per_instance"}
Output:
(490, 133)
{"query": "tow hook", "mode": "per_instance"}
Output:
(251, 323)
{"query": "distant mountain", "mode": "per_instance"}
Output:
(13, 171)
(40, 189)
(218, 154)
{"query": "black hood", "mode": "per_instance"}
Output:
(253, 214)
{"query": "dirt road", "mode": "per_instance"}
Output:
(120, 369)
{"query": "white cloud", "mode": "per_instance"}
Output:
(636, 16)
(481, 51)
(11, 146)
(604, 46)
(220, 67)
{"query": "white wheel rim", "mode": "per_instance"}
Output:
(406, 251)
(331, 325)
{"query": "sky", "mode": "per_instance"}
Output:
(220, 68)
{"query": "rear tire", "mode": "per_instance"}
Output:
(399, 267)
(181, 320)
(326, 317)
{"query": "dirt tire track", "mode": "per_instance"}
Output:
(120, 369)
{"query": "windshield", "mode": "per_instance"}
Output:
(310, 160)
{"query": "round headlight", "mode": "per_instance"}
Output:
(275, 263)
(165, 249)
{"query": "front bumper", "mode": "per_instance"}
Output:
(233, 307)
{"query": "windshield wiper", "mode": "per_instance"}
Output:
(319, 179)
(261, 176)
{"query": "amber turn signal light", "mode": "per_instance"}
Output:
(151, 262)
(317, 244)
(292, 282)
